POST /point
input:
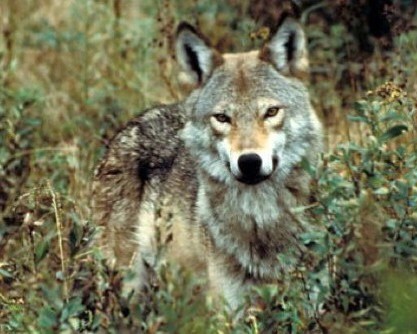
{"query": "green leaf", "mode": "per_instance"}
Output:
(392, 115)
(393, 132)
(47, 318)
(382, 191)
(361, 106)
(72, 308)
(305, 164)
(5, 273)
(361, 119)
(41, 250)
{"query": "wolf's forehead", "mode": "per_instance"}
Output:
(242, 67)
(235, 60)
(247, 76)
(245, 80)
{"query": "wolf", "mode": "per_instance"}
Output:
(216, 177)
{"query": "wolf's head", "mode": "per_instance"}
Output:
(250, 118)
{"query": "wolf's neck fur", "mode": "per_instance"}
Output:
(252, 224)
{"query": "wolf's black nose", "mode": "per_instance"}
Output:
(249, 164)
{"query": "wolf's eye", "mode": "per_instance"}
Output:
(272, 112)
(222, 118)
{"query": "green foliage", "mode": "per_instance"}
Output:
(71, 74)
(367, 197)
(400, 293)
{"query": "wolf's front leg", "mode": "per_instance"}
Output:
(226, 284)
(141, 270)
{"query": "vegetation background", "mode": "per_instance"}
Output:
(73, 71)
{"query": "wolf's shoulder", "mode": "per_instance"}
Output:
(161, 116)
(149, 141)
(154, 126)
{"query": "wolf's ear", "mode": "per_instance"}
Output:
(286, 49)
(195, 55)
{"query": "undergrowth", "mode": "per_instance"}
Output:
(71, 74)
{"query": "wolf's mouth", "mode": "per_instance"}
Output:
(253, 180)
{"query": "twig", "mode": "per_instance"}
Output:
(60, 243)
